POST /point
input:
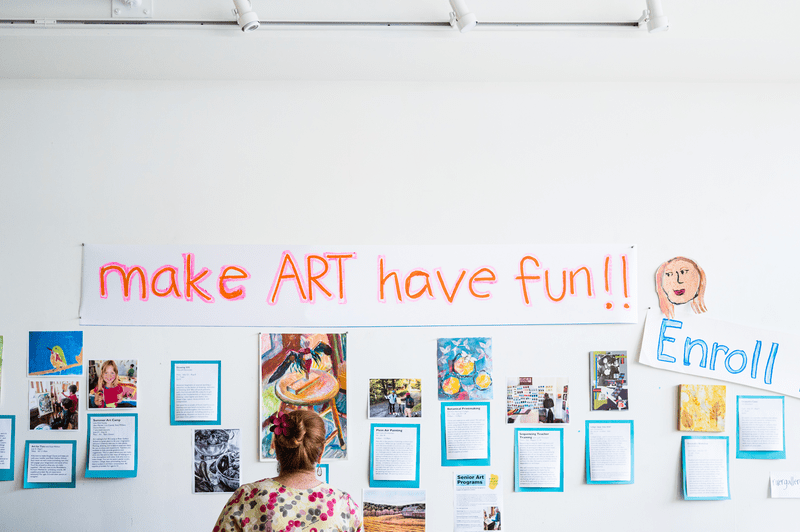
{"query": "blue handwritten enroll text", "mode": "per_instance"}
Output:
(735, 361)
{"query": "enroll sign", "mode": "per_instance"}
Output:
(358, 286)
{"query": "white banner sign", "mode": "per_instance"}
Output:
(697, 345)
(358, 286)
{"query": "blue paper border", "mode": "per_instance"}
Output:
(37, 485)
(113, 473)
(8, 474)
(588, 458)
(765, 455)
(172, 421)
(471, 462)
(517, 487)
(391, 483)
(727, 462)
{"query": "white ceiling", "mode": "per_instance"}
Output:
(708, 41)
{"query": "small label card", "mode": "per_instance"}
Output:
(784, 485)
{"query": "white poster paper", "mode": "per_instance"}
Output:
(466, 430)
(706, 467)
(609, 452)
(478, 501)
(49, 462)
(539, 458)
(784, 485)
(196, 392)
(760, 424)
(698, 345)
(394, 453)
(358, 286)
(112, 443)
(5, 443)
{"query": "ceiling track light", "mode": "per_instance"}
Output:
(653, 17)
(245, 16)
(461, 17)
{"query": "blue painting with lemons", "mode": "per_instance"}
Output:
(465, 368)
(55, 353)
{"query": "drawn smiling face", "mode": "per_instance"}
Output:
(680, 282)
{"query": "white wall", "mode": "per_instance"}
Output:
(708, 171)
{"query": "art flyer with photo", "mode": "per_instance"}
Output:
(395, 398)
(532, 400)
(53, 404)
(394, 456)
(112, 446)
(196, 392)
(609, 373)
(49, 464)
(304, 371)
(113, 383)
(478, 501)
(394, 510)
(7, 438)
(465, 434)
(216, 460)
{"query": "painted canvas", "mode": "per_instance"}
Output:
(394, 510)
(609, 375)
(702, 408)
(113, 383)
(532, 400)
(53, 404)
(465, 368)
(304, 371)
(680, 281)
(53, 353)
(216, 460)
(395, 398)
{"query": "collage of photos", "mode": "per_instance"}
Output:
(609, 380)
(112, 383)
(390, 398)
(531, 400)
(216, 460)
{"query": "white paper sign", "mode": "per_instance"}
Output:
(49, 462)
(5, 443)
(466, 428)
(539, 458)
(760, 423)
(358, 286)
(784, 485)
(698, 345)
(196, 391)
(395, 453)
(112, 443)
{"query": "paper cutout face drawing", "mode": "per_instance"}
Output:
(678, 281)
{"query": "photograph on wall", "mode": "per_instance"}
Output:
(395, 398)
(394, 510)
(216, 460)
(702, 408)
(112, 383)
(304, 371)
(53, 404)
(531, 400)
(609, 380)
(465, 368)
(52, 353)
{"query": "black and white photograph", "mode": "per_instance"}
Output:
(216, 460)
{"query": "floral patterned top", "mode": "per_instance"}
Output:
(272, 507)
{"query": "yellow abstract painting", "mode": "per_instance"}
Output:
(702, 408)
